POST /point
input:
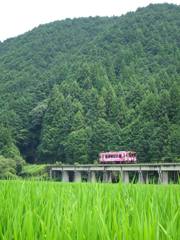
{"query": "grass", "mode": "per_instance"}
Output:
(47, 210)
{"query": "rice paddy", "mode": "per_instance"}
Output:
(84, 211)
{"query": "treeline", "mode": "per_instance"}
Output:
(74, 88)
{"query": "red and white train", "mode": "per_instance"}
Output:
(117, 157)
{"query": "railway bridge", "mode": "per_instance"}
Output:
(162, 173)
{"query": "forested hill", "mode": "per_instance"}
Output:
(73, 88)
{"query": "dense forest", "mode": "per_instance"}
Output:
(73, 88)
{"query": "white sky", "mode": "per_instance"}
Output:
(19, 16)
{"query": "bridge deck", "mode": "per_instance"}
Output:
(119, 167)
(161, 171)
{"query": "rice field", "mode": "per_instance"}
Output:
(85, 211)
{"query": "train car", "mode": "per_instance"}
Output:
(117, 157)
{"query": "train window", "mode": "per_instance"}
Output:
(119, 155)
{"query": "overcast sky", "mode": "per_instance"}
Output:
(19, 16)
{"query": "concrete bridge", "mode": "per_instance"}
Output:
(141, 172)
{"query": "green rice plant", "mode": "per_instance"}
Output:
(88, 211)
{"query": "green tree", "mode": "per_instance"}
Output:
(76, 147)
(104, 138)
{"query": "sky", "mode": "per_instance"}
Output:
(20, 16)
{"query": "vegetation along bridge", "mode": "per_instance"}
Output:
(142, 173)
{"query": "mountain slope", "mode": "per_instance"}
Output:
(73, 88)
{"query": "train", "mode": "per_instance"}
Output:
(117, 157)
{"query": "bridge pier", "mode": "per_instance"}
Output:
(65, 176)
(91, 176)
(147, 178)
(140, 177)
(105, 176)
(159, 177)
(77, 176)
(120, 176)
(164, 177)
(110, 177)
(125, 178)
(50, 174)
